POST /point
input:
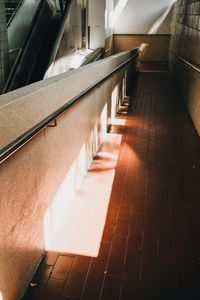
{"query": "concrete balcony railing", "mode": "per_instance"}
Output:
(41, 169)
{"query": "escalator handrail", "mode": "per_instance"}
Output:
(94, 56)
(14, 13)
(19, 57)
(15, 145)
(60, 33)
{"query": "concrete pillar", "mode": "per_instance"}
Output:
(96, 23)
(4, 52)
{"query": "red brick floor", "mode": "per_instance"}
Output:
(151, 243)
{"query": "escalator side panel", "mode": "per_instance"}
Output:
(47, 45)
(30, 52)
(19, 28)
(69, 40)
(52, 37)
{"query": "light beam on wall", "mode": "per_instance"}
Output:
(75, 222)
(119, 9)
(106, 19)
(162, 18)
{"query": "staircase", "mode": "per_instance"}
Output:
(10, 8)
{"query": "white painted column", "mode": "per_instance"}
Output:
(96, 23)
(4, 54)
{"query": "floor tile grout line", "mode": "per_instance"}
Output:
(122, 193)
(86, 277)
(109, 255)
(128, 235)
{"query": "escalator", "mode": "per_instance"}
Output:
(11, 6)
(32, 58)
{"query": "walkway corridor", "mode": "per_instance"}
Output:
(151, 242)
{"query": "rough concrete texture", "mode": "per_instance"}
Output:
(20, 110)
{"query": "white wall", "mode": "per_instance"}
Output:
(100, 22)
(109, 18)
(143, 16)
(96, 23)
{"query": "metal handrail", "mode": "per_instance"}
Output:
(191, 65)
(15, 145)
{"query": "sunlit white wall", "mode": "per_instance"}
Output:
(142, 16)
(109, 18)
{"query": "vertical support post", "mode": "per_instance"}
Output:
(128, 81)
(4, 50)
(85, 24)
(130, 76)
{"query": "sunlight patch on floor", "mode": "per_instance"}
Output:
(118, 121)
(83, 226)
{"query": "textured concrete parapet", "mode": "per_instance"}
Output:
(39, 181)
